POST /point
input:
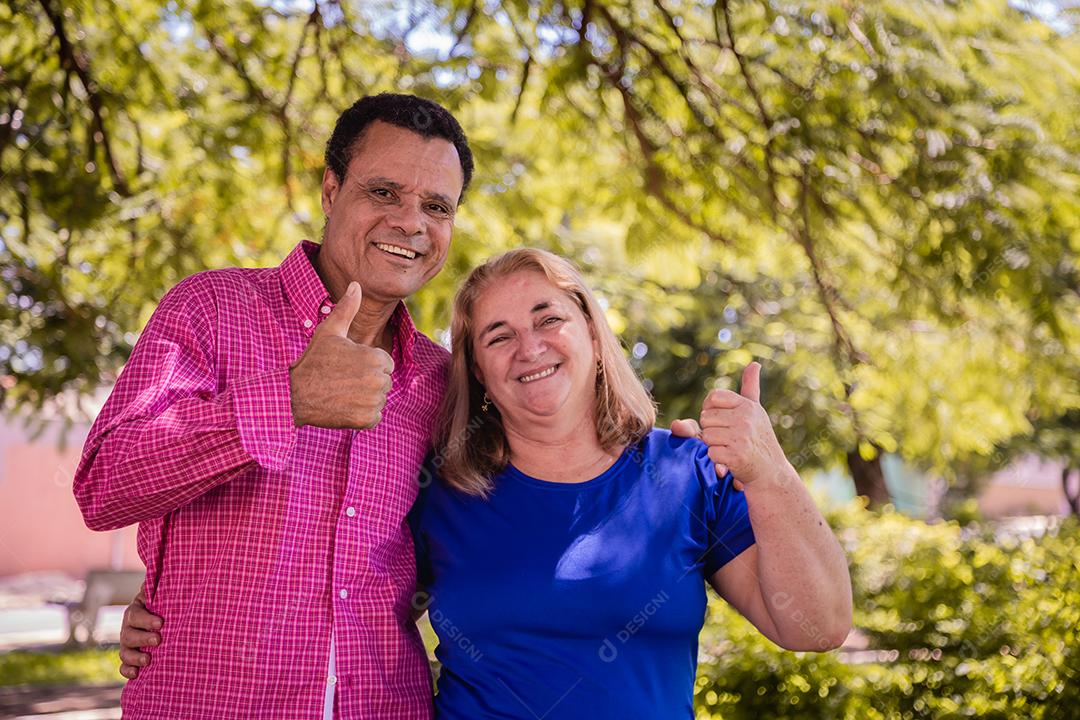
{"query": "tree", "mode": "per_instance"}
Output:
(877, 200)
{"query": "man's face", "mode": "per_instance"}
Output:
(388, 224)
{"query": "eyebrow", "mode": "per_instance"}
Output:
(393, 185)
(542, 305)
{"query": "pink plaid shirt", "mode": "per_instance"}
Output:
(260, 538)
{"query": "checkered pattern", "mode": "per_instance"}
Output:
(259, 537)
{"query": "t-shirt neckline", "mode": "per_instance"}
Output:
(615, 469)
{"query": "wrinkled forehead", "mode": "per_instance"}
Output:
(428, 166)
(516, 298)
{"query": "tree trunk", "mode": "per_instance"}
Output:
(869, 478)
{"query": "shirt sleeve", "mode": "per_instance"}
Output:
(416, 526)
(168, 433)
(726, 514)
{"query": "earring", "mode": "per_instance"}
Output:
(487, 403)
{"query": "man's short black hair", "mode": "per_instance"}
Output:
(423, 117)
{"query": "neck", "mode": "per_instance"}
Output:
(558, 451)
(371, 325)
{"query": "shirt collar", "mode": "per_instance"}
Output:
(311, 301)
(303, 286)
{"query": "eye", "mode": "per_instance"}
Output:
(551, 320)
(496, 339)
(383, 193)
(440, 209)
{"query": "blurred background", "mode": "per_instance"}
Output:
(878, 201)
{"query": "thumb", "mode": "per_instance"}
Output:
(685, 428)
(751, 382)
(338, 321)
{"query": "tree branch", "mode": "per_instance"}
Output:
(464, 29)
(74, 61)
(283, 115)
(827, 293)
(765, 117)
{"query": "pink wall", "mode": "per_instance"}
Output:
(40, 525)
(1029, 486)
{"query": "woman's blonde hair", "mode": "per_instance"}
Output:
(470, 444)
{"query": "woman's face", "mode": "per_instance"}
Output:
(533, 349)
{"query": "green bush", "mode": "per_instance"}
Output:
(88, 666)
(966, 624)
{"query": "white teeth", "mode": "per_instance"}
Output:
(541, 374)
(396, 250)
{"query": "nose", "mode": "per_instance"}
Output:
(407, 218)
(531, 346)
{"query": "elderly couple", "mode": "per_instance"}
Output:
(270, 428)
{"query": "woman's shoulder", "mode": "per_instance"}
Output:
(661, 442)
(684, 460)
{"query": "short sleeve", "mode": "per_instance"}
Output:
(726, 514)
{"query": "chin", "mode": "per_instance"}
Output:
(546, 408)
(391, 290)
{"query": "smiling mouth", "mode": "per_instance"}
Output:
(539, 375)
(397, 250)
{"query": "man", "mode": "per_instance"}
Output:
(267, 433)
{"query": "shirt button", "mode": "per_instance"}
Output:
(344, 593)
(307, 323)
(350, 511)
(331, 680)
(325, 309)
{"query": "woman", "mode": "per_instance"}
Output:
(563, 545)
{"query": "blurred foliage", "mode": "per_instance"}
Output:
(94, 666)
(963, 622)
(878, 200)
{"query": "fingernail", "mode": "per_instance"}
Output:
(351, 290)
(154, 641)
(157, 624)
(143, 660)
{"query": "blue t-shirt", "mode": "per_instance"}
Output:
(585, 600)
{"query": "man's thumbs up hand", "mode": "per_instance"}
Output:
(339, 320)
(338, 383)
